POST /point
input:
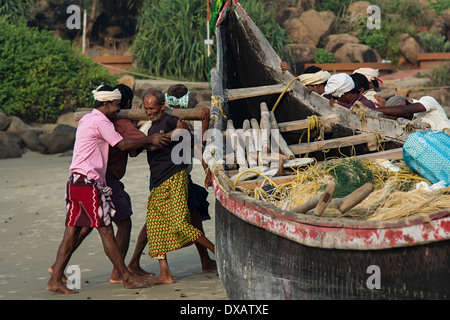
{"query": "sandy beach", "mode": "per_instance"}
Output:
(32, 214)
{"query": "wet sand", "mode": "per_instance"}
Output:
(32, 215)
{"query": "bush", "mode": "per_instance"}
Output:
(42, 75)
(435, 42)
(323, 56)
(169, 42)
(440, 75)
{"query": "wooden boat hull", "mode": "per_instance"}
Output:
(257, 263)
(264, 252)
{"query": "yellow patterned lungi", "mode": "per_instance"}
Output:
(168, 219)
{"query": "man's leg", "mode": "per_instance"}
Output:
(123, 242)
(134, 264)
(207, 263)
(165, 276)
(65, 251)
(112, 251)
(85, 231)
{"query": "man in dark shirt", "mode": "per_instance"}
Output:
(168, 220)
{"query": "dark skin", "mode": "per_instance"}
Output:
(155, 111)
(73, 235)
(403, 111)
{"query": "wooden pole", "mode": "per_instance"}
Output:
(139, 114)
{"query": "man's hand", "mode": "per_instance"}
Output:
(182, 125)
(159, 140)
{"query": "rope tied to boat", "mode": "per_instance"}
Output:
(283, 92)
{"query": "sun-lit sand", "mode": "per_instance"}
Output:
(32, 213)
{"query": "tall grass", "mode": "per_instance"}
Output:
(170, 37)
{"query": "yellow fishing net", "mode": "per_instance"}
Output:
(394, 195)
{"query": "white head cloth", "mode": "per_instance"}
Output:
(106, 95)
(370, 73)
(314, 78)
(338, 84)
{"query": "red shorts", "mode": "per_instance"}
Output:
(87, 205)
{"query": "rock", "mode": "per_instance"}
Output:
(4, 121)
(356, 52)
(11, 146)
(16, 125)
(359, 8)
(336, 41)
(30, 138)
(305, 5)
(409, 48)
(438, 26)
(68, 119)
(61, 139)
(128, 81)
(310, 27)
(301, 53)
(285, 15)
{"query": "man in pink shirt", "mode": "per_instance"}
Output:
(88, 199)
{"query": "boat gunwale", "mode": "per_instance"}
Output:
(337, 233)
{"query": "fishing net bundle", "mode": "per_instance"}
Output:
(393, 196)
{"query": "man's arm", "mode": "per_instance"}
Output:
(402, 111)
(156, 139)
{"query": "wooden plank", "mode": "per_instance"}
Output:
(388, 154)
(303, 124)
(243, 93)
(139, 114)
(252, 184)
(383, 67)
(371, 139)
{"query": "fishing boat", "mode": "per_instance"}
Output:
(265, 251)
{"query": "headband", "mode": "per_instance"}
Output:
(106, 95)
(310, 79)
(338, 84)
(182, 102)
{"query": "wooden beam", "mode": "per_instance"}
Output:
(303, 124)
(388, 154)
(139, 114)
(252, 184)
(371, 139)
(242, 93)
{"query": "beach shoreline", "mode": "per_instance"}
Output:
(32, 213)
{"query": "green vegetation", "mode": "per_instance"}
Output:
(15, 10)
(435, 42)
(169, 42)
(440, 75)
(323, 56)
(43, 75)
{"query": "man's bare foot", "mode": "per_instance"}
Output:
(137, 281)
(161, 279)
(209, 266)
(149, 275)
(60, 288)
(64, 278)
(139, 271)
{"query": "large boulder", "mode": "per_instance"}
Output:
(409, 48)
(310, 27)
(11, 146)
(67, 118)
(336, 41)
(30, 138)
(359, 8)
(356, 53)
(61, 139)
(285, 15)
(301, 53)
(17, 126)
(4, 121)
